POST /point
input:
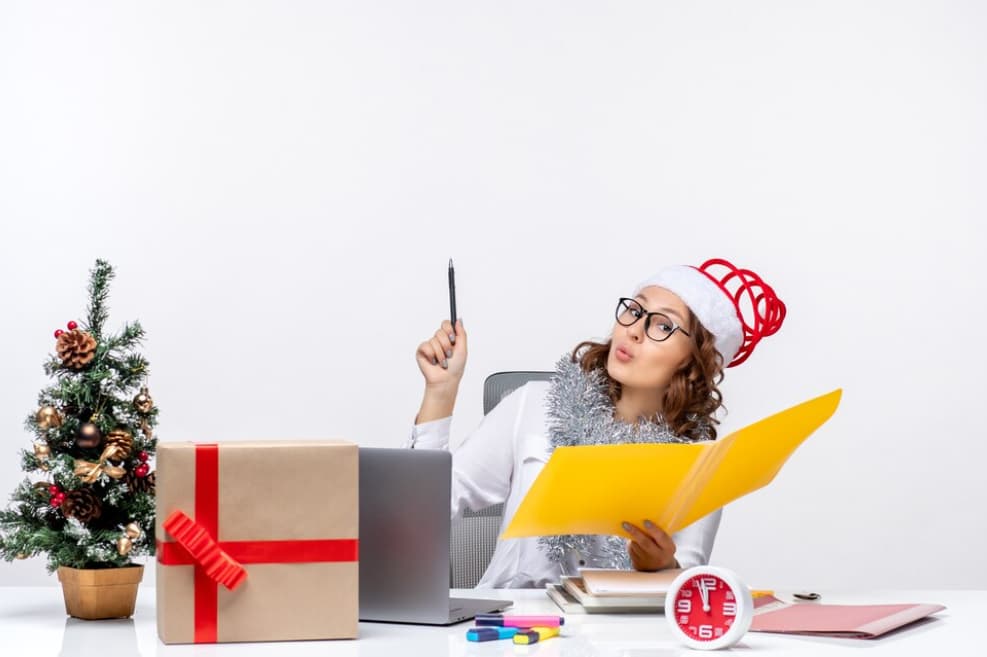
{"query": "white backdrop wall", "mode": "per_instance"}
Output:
(280, 185)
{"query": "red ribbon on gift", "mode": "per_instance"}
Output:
(205, 552)
(219, 562)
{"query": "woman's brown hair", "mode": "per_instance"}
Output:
(692, 396)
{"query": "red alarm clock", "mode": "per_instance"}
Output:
(709, 607)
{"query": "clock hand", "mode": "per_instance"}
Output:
(704, 594)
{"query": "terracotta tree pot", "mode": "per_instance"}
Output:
(95, 594)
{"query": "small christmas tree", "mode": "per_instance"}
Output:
(88, 500)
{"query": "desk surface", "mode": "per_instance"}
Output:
(33, 624)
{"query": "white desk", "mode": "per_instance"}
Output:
(33, 624)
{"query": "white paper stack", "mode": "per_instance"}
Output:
(599, 590)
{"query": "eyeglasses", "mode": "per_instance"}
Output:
(657, 326)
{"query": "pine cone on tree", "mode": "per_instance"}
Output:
(140, 484)
(76, 348)
(82, 504)
(122, 441)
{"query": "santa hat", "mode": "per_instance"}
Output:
(735, 305)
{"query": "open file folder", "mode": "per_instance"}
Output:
(592, 489)
(842, 621)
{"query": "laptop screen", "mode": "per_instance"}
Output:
(404, 534)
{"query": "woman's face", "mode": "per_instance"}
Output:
(637, 361)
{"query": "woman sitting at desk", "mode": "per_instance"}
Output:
(654, 380)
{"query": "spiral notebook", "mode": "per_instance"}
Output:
(846, 621)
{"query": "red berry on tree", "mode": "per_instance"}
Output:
(57, 501)
(72, 326)
(54, 490)
(142, 456)
(58, 333)
(142, 470)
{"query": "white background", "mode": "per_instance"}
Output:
(280, 186)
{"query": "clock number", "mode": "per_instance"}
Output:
(705, 632)
(683, 606)
(729, 608)
(709, 583)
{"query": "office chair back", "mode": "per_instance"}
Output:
(474, 535)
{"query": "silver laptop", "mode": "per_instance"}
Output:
(404, 539)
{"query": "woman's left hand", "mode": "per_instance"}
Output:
(650, 548)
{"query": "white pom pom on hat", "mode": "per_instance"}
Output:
(720, 301)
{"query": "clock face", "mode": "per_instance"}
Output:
(706, 607)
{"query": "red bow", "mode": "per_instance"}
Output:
(216, 564)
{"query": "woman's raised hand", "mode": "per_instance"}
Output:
(442, 357)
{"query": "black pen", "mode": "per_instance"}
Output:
(452, 296)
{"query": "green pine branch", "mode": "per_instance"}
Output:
(99, 290)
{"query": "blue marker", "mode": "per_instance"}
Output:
(490, 633)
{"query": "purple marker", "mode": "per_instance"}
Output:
(519, 621)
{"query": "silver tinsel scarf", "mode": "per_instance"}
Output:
(580, 413)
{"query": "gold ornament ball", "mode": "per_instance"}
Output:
(48, 417)
(123, 546)
(143, 401)
(21, 555)
(133, 530)
(42, 451)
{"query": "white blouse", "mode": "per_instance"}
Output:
(499, 462)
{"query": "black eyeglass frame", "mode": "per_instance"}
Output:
(623, 301)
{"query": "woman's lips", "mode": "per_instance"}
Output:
(622, 355)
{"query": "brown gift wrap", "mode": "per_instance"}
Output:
(276, 522)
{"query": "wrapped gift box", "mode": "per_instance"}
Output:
(257, 541)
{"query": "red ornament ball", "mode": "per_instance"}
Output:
(142, 470)
(142, 456)
(72, 326)
(58, 333)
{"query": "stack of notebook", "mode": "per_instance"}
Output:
(599, 590)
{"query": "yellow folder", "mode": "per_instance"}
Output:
(592, 489)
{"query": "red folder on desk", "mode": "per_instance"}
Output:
(848, 621)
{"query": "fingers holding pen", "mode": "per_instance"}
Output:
(458, 336)
(447, 328)
(441, 349)
(444, 337)
(426, 354)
